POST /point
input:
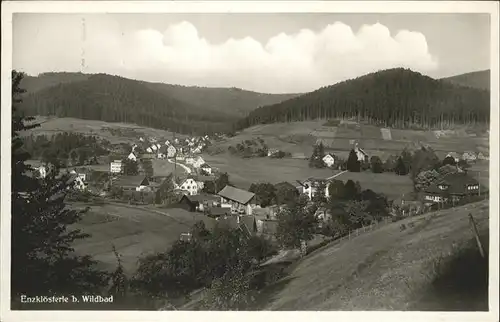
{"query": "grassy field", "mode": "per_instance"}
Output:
(386, 269)
(390, 184)
(243, 172)
(164, 168)
(300, 136)
(134, 231)
(113, 132)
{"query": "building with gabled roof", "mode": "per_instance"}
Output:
(238, 199)
(132, 183)
(454, 187)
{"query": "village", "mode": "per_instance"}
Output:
(192, 184)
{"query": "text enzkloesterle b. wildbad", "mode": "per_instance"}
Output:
(67, 299)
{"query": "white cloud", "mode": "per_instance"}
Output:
(300, 62)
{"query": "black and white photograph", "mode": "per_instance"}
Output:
(179, 156)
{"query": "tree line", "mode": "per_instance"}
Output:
(392, 98)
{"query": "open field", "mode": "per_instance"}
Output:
(134, 231)
(385, 269)
(300, 136)
(244, 172)
(390, 184)
(113, 132)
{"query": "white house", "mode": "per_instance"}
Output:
(42, 171)
(329, 160)
(167, 142)
(188, 184)
(154, 147)
(161, 155)
(132, 156)
(176, 141)
(469, 156)
(149, 150)
(141, 139)
(272, 152)
(198, 149)
(77, 182)
(361, 154)
(81, 175)
(171, 151)
(206, 168)
(116, 166)
(198, 162)
(311, 185)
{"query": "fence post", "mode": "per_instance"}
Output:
(476, 234)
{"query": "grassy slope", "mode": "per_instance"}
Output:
(379, 270)
(130, 134)
(134, 231)
(298, 137)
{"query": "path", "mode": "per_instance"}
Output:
(187, 169)
(336, 175)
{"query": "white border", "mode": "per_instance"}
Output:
(8, 8)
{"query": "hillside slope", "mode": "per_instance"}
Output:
(386, 269)
(115, 99)
(231, 101)
(479, 79)
(395, 98)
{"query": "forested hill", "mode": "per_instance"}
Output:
(395, 97)
(479, 79)
(231, 101)
(115, 99)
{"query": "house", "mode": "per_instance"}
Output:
(76, 182)
(240, 201)
(311, 185)
(41, 171)
(167, 142)
(149, 150)
(360, 153)
(454, 187)
(454, 155)
(329, 160)
(272, 152)
(201, 202)
(218, 212)
(132, 183)
(195, 161)
(188, 184)
(185, 237)
(482, 156)
(82, 174)
(206, 169)
(249, 224)
(132, 156)
(469, 156)
(161, 155)
(116, 166)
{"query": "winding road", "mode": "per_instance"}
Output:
(186, 168)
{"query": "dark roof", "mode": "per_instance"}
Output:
(457, 183)
(129, 181)
(201, 198)
(219, 211)
(204, 165)
(235, 194)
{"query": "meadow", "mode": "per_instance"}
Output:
(244, 172)
(134, 231)
(113, 132)
(297, 137)
(389, 268)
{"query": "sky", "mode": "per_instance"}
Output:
(271, 53)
